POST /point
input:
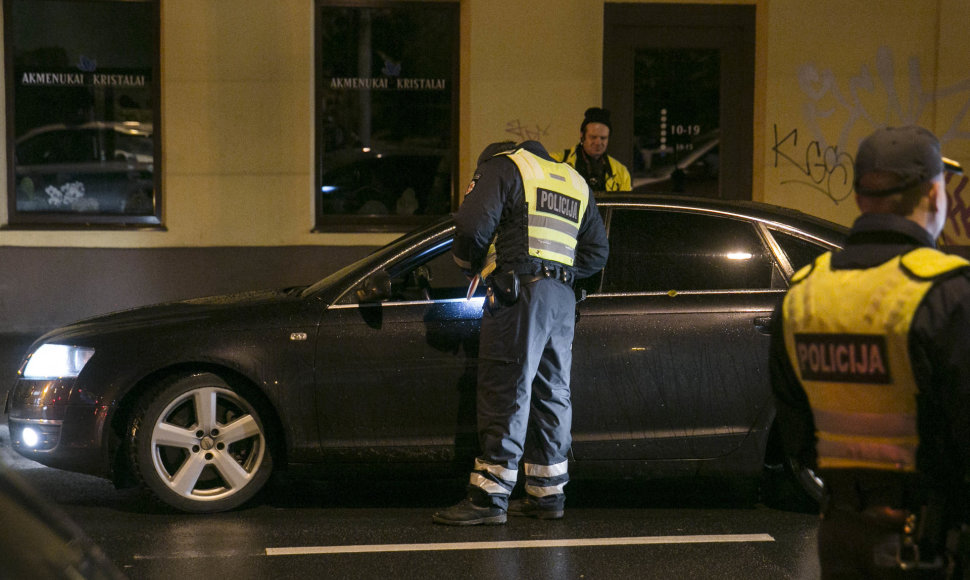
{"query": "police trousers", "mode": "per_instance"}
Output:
(524, 408)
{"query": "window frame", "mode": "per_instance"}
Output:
(348, 222)
(41, 220)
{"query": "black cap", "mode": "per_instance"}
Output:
(911, 153)
(495, 149)
(595, 115)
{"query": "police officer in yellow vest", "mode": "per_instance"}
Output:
(528, 226)
(871, 370)
(602, 172)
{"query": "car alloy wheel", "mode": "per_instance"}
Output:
(199, 445)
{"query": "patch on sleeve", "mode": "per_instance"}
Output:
(471, 185)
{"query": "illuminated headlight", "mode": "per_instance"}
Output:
(30, 437)
(56, 361)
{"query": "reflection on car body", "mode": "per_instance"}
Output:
(375, 365)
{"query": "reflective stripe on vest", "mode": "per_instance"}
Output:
(557, 197)
(851, 354)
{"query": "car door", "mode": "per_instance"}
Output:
(670, 355)
(396, 378)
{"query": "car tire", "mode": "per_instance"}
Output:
(788, 485)
(196, 462)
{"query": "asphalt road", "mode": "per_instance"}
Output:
(309, 528)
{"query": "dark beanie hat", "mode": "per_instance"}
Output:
(596, 115)
(911, 153)
(495, 149)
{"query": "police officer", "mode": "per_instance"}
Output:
(589, 158)
(528, 227)
(871, 370)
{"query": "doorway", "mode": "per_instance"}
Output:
(679, 80)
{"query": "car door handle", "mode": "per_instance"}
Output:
(763, 324)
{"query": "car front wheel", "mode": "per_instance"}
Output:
(199, 445)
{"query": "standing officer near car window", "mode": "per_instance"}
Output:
(528, 227)
(589, 158)
(871, 371)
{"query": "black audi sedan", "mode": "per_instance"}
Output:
(374, 366)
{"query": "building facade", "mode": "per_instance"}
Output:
(250, 102)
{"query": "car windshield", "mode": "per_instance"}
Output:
(396, 247)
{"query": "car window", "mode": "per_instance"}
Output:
(800, 252)
(429, 275)
(659, 251)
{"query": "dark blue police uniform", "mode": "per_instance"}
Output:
(529, 226)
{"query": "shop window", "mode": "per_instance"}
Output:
(82, 113)
(386, 114)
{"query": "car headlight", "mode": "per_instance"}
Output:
(56, 361)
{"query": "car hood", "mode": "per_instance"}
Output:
(208, 310)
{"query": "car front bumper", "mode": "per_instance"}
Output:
(51, 423)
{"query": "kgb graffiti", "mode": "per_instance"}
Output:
(825, 169)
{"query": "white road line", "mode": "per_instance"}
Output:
(632, 541)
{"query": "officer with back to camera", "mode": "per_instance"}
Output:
(871, 371)
(528, 226)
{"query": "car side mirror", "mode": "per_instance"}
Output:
(374, 288)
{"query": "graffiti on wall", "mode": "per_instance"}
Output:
(956, 232)
(837, 113)
(875, 99)
(524, 132)
(825, 169)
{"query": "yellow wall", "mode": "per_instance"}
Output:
(838, 70)
(237, 117)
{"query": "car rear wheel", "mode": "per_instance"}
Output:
(788, 484)
(199, 445)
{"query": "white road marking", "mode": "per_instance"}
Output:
(631, 541)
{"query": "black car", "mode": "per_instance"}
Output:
(374, 365)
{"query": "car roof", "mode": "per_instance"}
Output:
(748, 209)
(130, 128)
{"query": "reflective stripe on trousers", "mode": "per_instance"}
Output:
(493, 479)
(542, 481)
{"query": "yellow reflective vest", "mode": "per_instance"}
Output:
(847, 337)
(556, 197)
(618, 179)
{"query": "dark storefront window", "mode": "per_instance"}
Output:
(386, 113)
(82, 112)
(676, 121)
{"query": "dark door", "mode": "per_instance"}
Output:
(397, 379)
(671, 353)
(679, 80)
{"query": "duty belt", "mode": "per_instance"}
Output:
(564, 275)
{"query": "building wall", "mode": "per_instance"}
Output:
(838, 70)
(237, 128)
